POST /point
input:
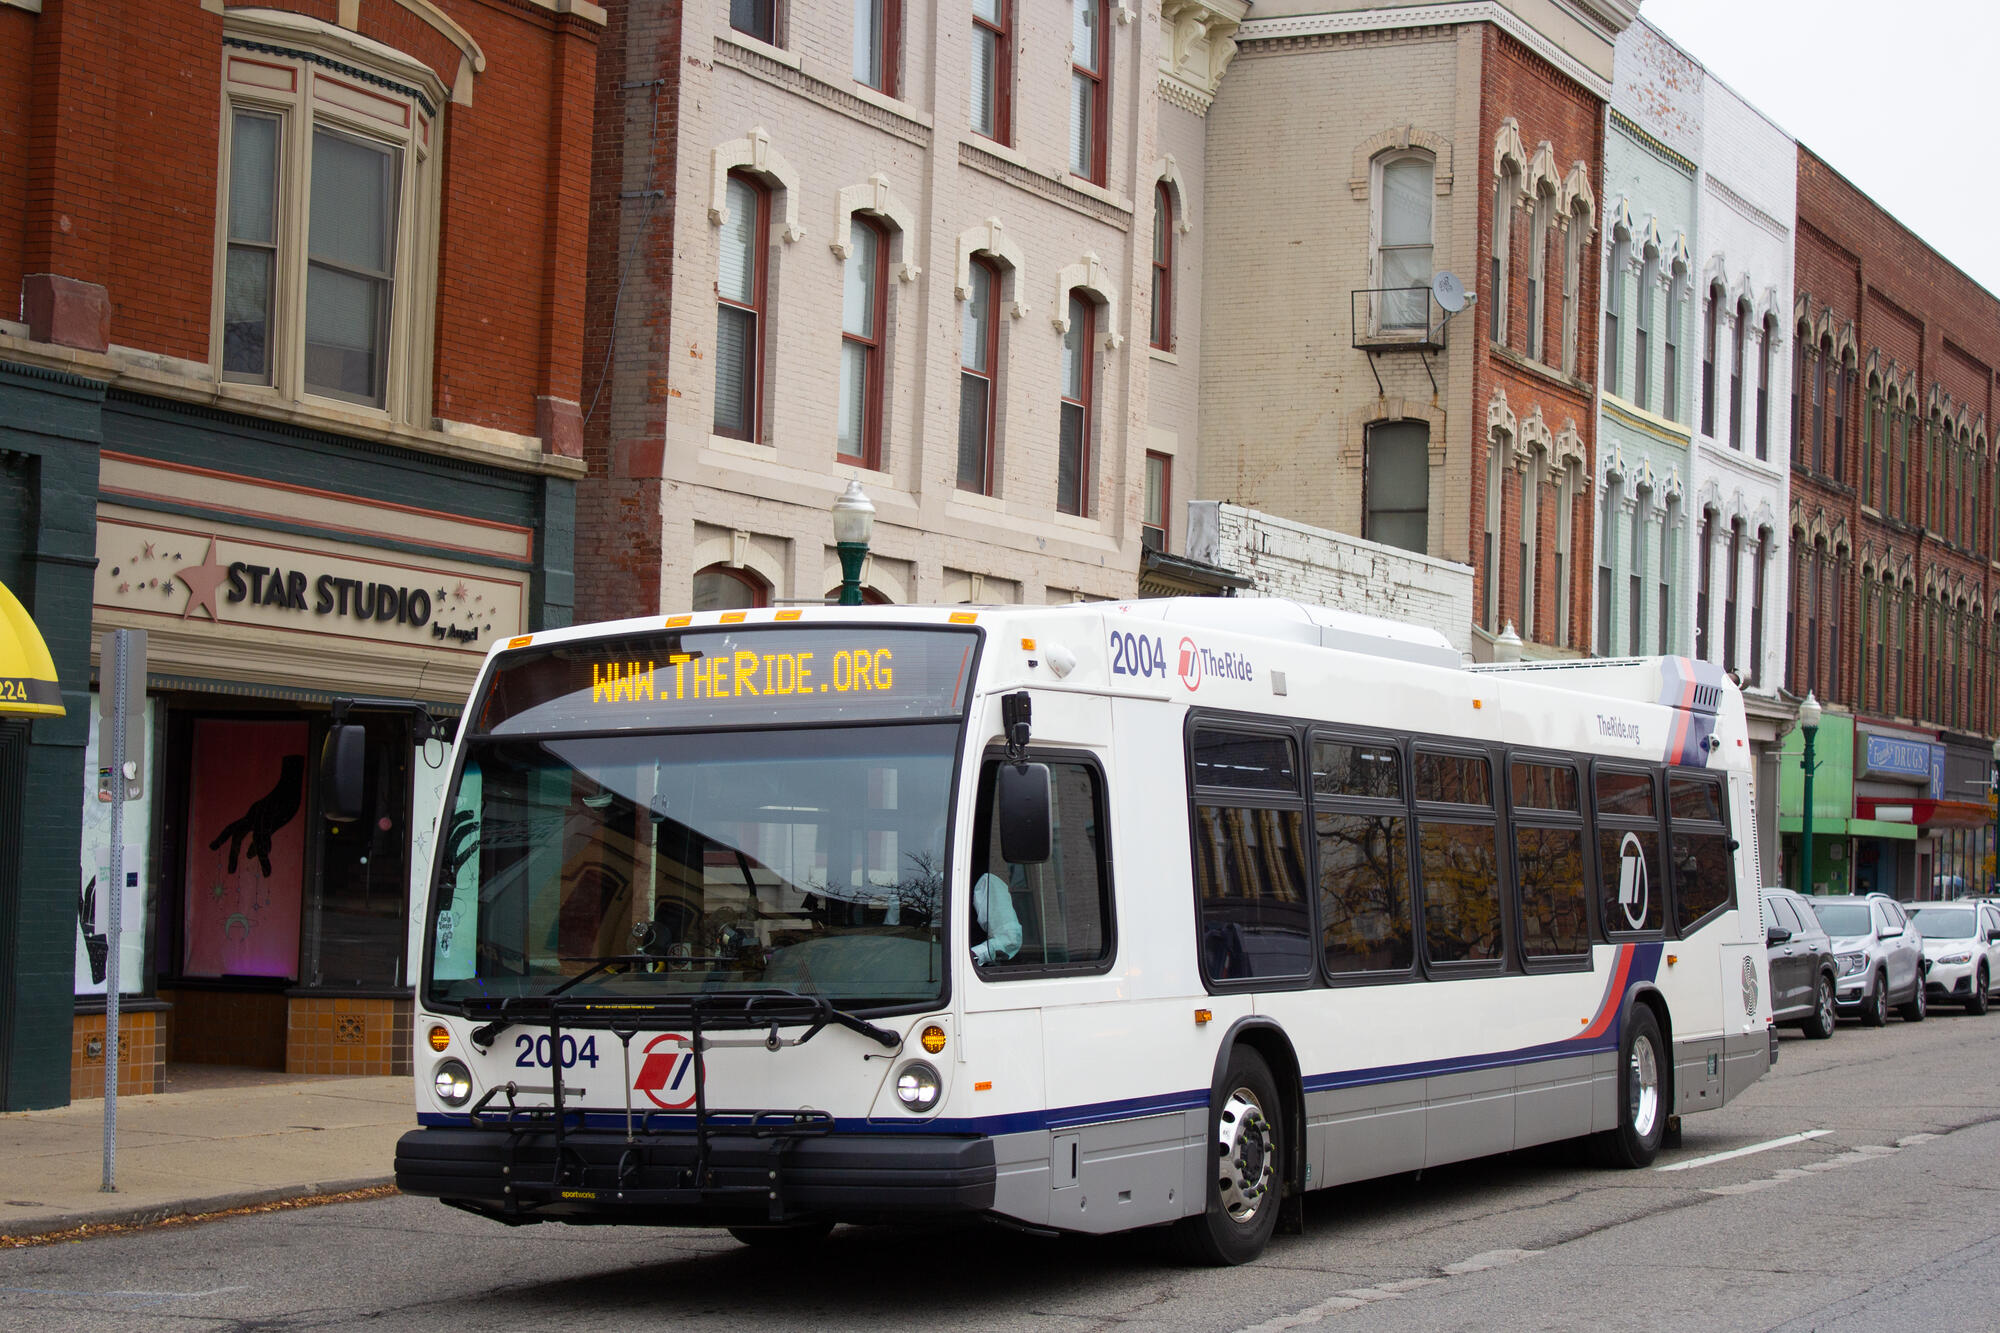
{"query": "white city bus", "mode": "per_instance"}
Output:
(1078, 918)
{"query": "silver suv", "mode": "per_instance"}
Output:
(1881, 957)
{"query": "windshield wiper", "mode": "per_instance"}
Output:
(770, 1005)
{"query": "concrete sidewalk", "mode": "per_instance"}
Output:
(197, 1152)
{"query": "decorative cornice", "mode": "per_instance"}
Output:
(1446, 15)
(1651, 143)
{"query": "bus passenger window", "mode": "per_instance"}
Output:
(1250, 876)
(1458, 859)
(1555, 912)
(1461, 891)
(1704, 874)
(1363, 831)
(1052, 916)
(1633, 891)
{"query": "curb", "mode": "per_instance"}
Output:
(159, 1212)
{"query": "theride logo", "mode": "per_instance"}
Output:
(1190, 668)
(665, 1073)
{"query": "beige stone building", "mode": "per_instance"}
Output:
(915, 246)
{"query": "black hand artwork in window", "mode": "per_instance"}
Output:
(266, 815)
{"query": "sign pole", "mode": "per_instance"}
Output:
(115, 898)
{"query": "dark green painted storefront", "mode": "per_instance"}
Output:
(53, 427)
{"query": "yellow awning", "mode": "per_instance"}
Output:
(27, 672)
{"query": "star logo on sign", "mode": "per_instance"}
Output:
(201, 582)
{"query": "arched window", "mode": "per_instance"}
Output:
(740, 287)
(1396, 481)
(1531, 514)
(1663, 604)
(1079, 374)
(1538, 273)
(1711, 325)
(1871, 470)
(864, 316)
(1498, 443)
(1642, 348)
(1704, 638)
(1798, 429)
(1836, 618)
(1764, 350)
(1575, 233)
(1670, 383)
(1635, 577)
(1822, 364)
(1403, 259)
(1742, 336)
(979, 377)
(1605, 548)
(870, 595)
(1566, 478)
(1757, 576)
(1163, 267)
(1614, 312)
(1838, 377)
(725, 588)
(1731, 583)
(1505, 193)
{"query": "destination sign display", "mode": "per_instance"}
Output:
(731, 676)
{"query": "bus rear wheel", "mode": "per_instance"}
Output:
(1642, 1095)
(1246, 1179)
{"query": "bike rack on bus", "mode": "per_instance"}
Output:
(741, 1012)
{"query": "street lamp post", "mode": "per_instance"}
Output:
(853, 525)
(1809, 715)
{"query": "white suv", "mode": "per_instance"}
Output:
(1881, 957)
(1962, 947)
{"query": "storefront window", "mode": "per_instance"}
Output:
(361, 901)
(246, 849)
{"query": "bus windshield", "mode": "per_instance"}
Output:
(807, 859)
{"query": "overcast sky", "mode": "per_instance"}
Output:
(1902, 99)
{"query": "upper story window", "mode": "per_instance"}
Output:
(978, 378)
(1764, 347)
(1614, 314)
(739, 297)
(1736, 348)
(1505, 193)
(1078, 376)
(327, 236)
(723, 588)
(1670, 382)
(1396, 482)
(863, 315)
(878, 42)
(1642, 351)
(1159, 495)
(755, 18)
(1163, 267)
(1088, 100)
(1403, 260)
(991, 87)
(1711, 327)
(1538, 274)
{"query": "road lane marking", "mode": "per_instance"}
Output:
(1766, 1146)
(1356, 1297)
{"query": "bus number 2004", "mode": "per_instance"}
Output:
(1137, 655)
(535, 1051)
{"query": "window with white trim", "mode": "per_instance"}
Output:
(1403, 258)
(327, 235)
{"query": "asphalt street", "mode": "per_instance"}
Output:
(1856, 1187)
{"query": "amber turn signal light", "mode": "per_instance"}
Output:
(933, 1039)
(440, 1037)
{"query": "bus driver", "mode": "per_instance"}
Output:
(993, 910)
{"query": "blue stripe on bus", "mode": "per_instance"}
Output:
(1643, 967)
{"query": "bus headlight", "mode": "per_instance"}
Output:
(917, 1087)
(454, 1082)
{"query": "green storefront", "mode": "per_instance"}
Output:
(1849, 854)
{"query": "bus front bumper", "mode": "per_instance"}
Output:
(657, 1178)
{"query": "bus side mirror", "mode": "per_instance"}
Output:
(1024, 802)
(341, 772)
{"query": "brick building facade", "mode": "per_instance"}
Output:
(1894, 560)
(819, 257)
(292, 384)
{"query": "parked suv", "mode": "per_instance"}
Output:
(1881, 957)
(1962, 947)
(1804, 975)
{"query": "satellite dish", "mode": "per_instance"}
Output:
(1449, 291)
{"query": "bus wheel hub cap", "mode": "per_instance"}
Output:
(1244, 1151)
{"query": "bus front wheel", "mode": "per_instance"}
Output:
(1247, 1135)
(1642, 1095)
